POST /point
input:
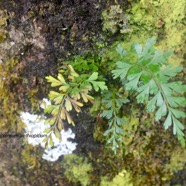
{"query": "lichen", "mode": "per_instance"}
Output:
(114, 19)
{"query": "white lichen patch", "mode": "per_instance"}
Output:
(35, 125)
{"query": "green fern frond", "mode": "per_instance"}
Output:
(112, 103)
(150, 76)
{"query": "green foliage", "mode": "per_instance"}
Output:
(142, 71)
(77, 169)
(150, 77)
(72, 91)
(112, 103)
(82, 65)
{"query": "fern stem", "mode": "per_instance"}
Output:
(157, 83)
(59, 113)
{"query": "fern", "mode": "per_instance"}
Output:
(112, 103)
(72, 91)
(142, 70)
(82, 65)
(146, 71)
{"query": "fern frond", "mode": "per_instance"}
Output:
(112, 103)
(150, 76)
(72, 91)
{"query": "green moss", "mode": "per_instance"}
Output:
(28, 157)
(122, 179)
(3, 18)
(141, 19)
(77, 169)
(146, 147)
(177, 160)
(9, 106)
(130, 130)
(162, 18)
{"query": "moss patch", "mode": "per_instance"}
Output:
(77, 169)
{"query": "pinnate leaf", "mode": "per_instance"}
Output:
(54, 82)
(94, 76)
(122, 70)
